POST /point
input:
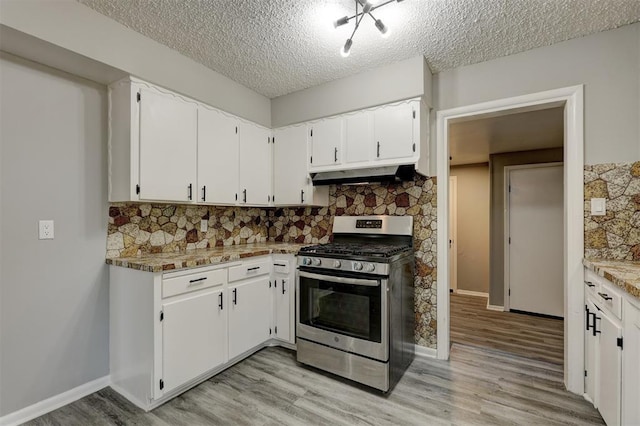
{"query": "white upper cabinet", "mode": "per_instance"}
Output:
(393, 131)
(168, 147)
(290, 176)
(255, 164)
(326, 142)
(359, 137)
(218, 157)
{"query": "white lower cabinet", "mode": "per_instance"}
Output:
(170, 331)
(249, 315)
(194, 332)
(631, 364)
(284, 297)
(609, 366)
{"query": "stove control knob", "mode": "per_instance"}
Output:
(357, 266)
(306, 261)
(337, 264)
(317, 262)
(369, 267)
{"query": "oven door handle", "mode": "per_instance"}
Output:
(340, 280)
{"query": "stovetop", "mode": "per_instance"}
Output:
(345, 250)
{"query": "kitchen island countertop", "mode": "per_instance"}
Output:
(623, 273)
(159, 262)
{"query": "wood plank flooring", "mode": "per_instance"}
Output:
(477, 386)
(527, 335)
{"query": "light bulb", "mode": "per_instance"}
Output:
(347, 48)
(382, 28)
(341, 21)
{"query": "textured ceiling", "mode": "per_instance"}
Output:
(280, 46)
(471, 141)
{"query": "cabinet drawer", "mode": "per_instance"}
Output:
(591, 282)
(610, 298)
(281, 266)
(249, 270)
(193, 282)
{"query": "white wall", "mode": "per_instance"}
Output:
(473, 226)
(402, 80)
(607, 63)
(54, 313)
(75, 27)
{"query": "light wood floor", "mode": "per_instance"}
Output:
(527, 335)
(476, 387)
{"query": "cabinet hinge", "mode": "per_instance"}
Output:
(137, 189)
(276, 328)
(161, 384)
(619, 342)
(269, 198)
(311, 160)
(585, 373)
(161, 316)
(273, 197)
(311, 132)
(269, 331)
(509, 292)
(414, 114)
(414, 147)
(509, 188)
(236, 130)
(138, 96)
(268, 140)
(273, 139)
(269, 284)
(236, 196)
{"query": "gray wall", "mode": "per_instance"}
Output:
(473, 226)
(497, 164)
(607, 63)
(54, 294)
(76, 27)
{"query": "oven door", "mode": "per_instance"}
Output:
(344, 312)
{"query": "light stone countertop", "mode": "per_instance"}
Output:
(159, 262)
(623, 273)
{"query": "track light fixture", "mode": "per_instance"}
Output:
(363, 8)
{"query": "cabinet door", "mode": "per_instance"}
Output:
(255, 165)
(631, 366)
(282, 304)
(218, 157)
(168, 143)
(249, 315)
(590, 353)
(194, 333)
(393, 131)
(358, 137)
(290, 175)
(326, 142)
(609, 368)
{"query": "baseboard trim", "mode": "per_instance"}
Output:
(43, 407)
(495, 307)
(424, 352)
(471, 293)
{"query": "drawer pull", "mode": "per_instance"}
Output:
(589, 284)
(279, 264)
(197, 280)
(255, 268)
(605, 296)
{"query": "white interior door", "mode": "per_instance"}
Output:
(453, 232)
(535, 239)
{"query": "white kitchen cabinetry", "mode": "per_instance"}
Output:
(284, 297)
(326, 142)
(590, 353)
(394, 131)
(631, 363)
(218, 157)
(359, 144)
(250, 306)
(255, 164)
(168, 147)
(609, 367)
(291, 181)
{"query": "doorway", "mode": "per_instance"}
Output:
(571, 100)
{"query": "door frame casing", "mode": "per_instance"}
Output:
(507, 227)
(453, 206)
(573, 100)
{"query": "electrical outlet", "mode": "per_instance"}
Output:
(45, 230)
(204, 225)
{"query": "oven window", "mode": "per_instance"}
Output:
(352, 310)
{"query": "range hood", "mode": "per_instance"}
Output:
(385, 174)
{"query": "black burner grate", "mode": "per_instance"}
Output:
(357, 249)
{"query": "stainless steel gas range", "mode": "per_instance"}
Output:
(355, 310)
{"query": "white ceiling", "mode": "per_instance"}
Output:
(280, 46)
(472, 141)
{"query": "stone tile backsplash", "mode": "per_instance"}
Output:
(142, 228)
(616, 235)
